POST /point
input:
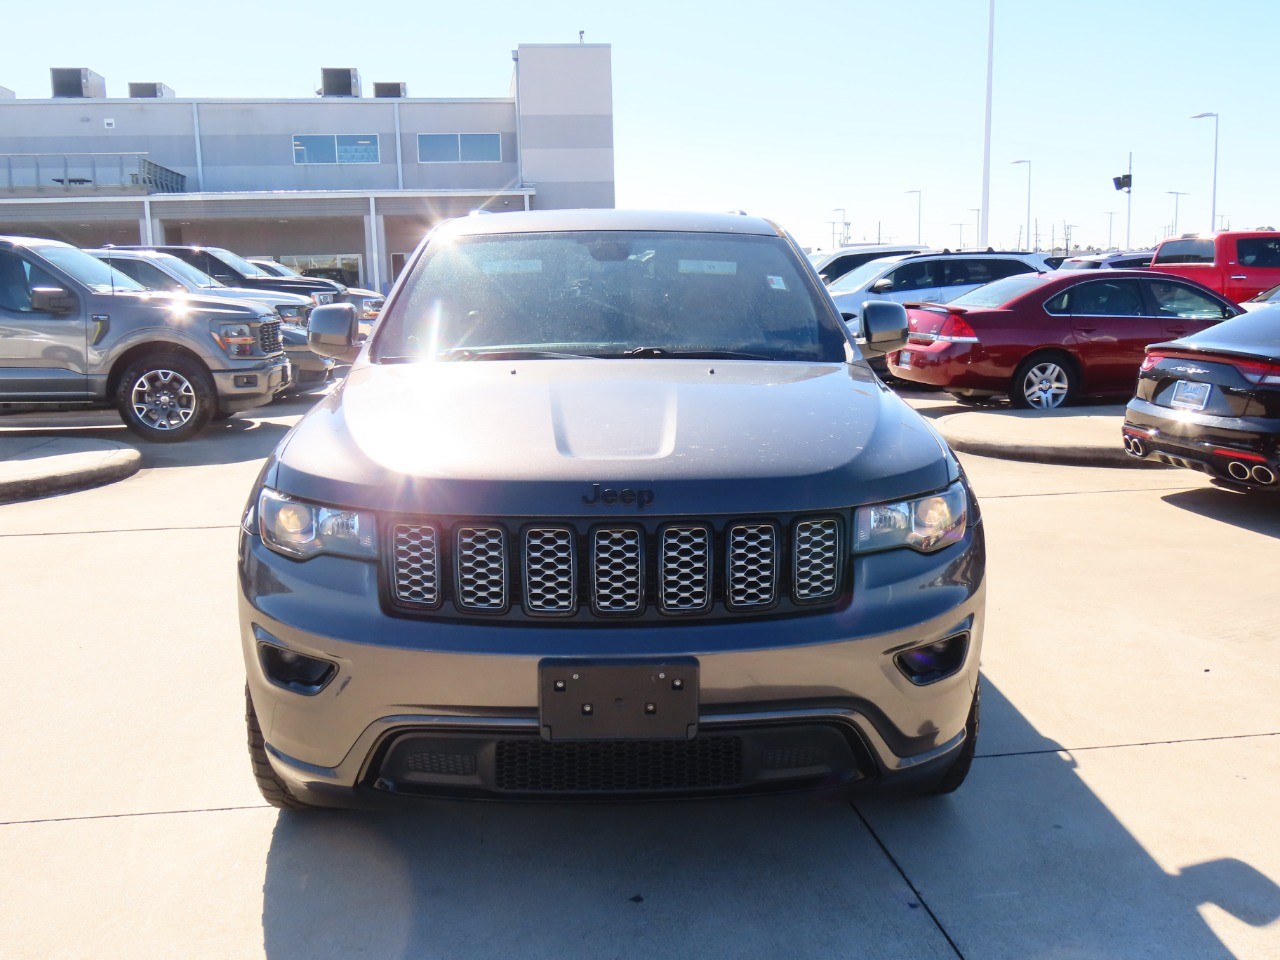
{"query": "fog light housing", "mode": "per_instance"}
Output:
(295, 671)
(934, 661)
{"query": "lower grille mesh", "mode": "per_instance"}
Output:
(534, 766)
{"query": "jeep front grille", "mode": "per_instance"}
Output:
(660, 568)
(269, 336)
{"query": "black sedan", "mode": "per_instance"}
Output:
(1211, 402)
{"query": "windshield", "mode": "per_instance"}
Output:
(89, 270)
(239, 264)
(858, 277)
(187, 271)
(283, 271)
(609, 294)
(999, 292)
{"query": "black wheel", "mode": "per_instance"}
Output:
(1043, 381)
(274, 790)
(959, 769)
(166, 397)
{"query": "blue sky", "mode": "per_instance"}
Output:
(788, 111)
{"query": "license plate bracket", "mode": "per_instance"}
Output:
(904, 359)
(1190, 394)
(630, 699)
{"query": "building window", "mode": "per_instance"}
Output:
(339, 148)
(459, 148)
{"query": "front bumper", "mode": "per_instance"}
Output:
(252, 384)
(447, 708)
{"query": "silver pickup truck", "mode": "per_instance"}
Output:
(73, 330)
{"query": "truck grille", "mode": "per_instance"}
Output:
(659, 569)
(269, 336)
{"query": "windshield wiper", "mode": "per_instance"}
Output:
(507, 353)
(662, 352)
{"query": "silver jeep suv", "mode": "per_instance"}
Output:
(610, 505)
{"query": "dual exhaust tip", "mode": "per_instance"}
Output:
(1258, 473)
(1134, 446)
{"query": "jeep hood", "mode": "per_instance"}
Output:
(531, 438)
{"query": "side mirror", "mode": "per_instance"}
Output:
(332, 331)
(52, 300)
(884, 327)
(882, 286)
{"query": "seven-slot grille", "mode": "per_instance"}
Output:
(269, 336)
(607, 570)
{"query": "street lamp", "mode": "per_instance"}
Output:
(1028, 163)
(1176, 195)
(986, 132)
(1213, 204)
(960, 245)
(919, 203)
(1111, 216)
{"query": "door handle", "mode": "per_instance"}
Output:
(1178, 331)
(1240, 276)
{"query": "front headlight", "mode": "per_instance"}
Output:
(319, 299)
(289, 311)
(237, 339)
(925, 523)
(302, 530)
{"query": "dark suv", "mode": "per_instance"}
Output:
(610, 505)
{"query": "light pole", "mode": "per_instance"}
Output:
(919, 204)
(1028, 163)
(960, 246)
(1213, 203)
(1066, 237)
(1176, 195)
(844, 225)
(977, 221)
(986, 136)
(1111, 217)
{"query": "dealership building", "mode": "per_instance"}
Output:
(338, 181)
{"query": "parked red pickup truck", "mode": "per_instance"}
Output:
(1237, 264)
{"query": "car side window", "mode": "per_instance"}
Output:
(17, 279)
(1008, 268)
(1258, 252)
(969, 271)
(913, 276)
(147, 275)
(1107, 298)
(1176, 300)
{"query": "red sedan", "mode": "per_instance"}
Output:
(1045, 339)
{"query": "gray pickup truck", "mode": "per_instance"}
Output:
(73, 330)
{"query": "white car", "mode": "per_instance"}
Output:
(834, 264)
(926, 278)
(1265, 299)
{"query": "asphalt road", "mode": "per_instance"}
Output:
(1122, 804)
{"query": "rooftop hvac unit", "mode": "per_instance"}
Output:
(390, 89)
(77, 82)
(149, 91)
(339, 82)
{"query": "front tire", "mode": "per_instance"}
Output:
(959, 769)
(274, 790)
(166, 397)
(1043, 382)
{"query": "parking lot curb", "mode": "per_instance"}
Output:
(1087, 437)
(32, 467)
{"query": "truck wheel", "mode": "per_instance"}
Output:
(166, 397)
(958, 770)
(274, 790)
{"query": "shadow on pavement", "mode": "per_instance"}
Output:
(1024, 861)
(1257, 511)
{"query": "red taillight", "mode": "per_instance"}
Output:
(957, 330)
(1150, 360)
(1256, 372)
